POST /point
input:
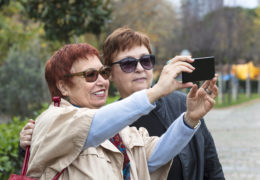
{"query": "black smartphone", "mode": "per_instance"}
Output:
(204, 70)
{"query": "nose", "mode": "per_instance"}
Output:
(101, 81)
(139, 67)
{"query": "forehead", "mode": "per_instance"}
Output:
(135, 52)
(86, 63)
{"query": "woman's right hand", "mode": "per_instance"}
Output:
(167, 82)
(26, 134)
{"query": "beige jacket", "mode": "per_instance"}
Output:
(58, 139)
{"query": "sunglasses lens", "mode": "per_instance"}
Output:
(147, 61)
(91, 76)
(105, 73)
(128, 65)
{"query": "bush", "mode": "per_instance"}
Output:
(10, 162)
(23, 88)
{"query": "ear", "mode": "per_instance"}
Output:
(63, 88)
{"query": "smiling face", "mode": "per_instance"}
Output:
(87, 94)
(128, 83)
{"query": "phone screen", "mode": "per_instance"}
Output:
(204, 70)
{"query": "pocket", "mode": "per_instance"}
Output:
(96, 153)
(98, 163)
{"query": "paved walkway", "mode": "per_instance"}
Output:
(236, 132)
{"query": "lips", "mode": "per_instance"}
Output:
(140, 79)
(100, 93)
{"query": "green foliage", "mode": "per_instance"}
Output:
(15, 30)
(63, 19)
(10, 162)
(23, 88)
(241, 99)
(4, 2)
(111, 99)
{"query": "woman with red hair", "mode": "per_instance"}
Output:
(91, 143)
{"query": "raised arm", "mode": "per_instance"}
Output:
(117, 115)
(199, 103)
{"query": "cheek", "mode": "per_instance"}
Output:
(107, 84)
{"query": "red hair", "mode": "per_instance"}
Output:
(61, 62)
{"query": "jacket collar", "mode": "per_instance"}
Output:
(130, 137)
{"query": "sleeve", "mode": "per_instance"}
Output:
(112, 118)
(58, 138)
(213, 169)
(171, 143)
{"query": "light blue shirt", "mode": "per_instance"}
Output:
(120, 114)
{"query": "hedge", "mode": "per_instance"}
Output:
(10, 161)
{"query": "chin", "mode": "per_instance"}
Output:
(140, 88)
(99, 104)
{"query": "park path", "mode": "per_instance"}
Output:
(236, 131)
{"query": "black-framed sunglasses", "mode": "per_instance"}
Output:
(129, 64)
(91, 74)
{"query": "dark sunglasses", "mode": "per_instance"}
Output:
(129, 64)
(91, 74)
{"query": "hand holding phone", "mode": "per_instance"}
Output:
(204, 70)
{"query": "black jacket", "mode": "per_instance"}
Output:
(199, 159)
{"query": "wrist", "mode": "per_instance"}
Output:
(191, 122)
(153, 94)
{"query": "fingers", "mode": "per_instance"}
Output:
(178, 67)
(181, 58)
(181, 63)
(29, 125)
(193, 91)
(26, 134)
(214, 92)
(212, 88)
(24, 144)
(211, 101)
(205, 84)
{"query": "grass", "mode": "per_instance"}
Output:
(242, 98)
(111, 99)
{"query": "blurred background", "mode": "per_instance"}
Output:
(31, 30)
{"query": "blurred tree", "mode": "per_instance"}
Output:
(15, 30)
(22, 89)
(256, 38)
(156, 18)
(63, 19)
(4, 2)
(225, 33)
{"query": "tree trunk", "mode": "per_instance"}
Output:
(220, 86)
(258, 88)
(234, 88)
(248, 86)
